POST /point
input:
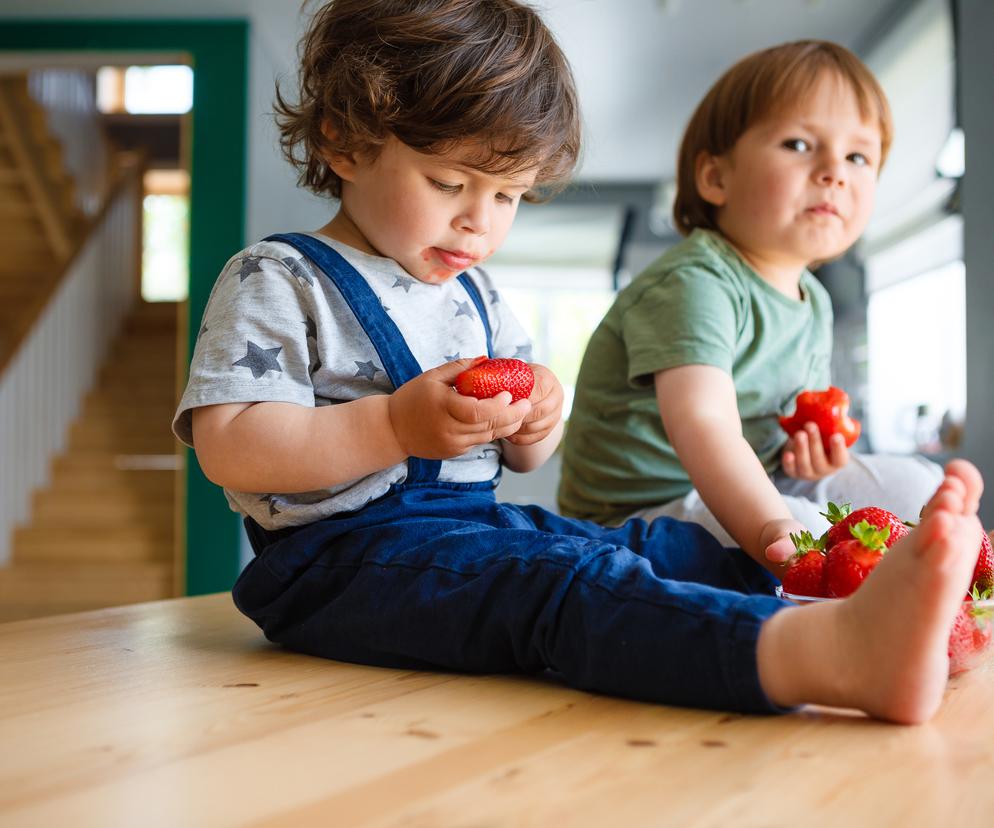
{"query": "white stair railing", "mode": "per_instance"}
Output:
(69, 100)
(42, 389)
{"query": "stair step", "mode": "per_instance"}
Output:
(38, 589)
(97, 508)
(146, 484)
(79, 544)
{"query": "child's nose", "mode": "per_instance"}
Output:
(474, 219)
(831, 173)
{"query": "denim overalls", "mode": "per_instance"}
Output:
(439, 575)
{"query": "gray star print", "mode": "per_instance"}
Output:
(463, 309)
(524, 352)
(494, 297)
(271, 500)
(260, 360)
(250, 265)
(312, 328)
(405, 282)
(298, 269)
(366, 369)
(452, 357)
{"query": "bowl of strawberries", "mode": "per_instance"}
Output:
(834, 566)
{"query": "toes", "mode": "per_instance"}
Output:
(973, 483)
(946, 499)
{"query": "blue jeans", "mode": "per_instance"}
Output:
(439, 575)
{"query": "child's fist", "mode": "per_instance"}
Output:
(547, 408)
(430, 420)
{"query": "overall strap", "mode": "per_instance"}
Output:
(481, 309)
(399, 363)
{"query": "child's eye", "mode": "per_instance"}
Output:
(445, 188)
(796, 144)
(858, 159)
(505, 198)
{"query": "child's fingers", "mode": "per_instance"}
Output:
(838, 453)
(789, 463)
(819, 460)
(802, 449)
(780, 550)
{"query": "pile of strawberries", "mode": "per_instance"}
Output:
(834, 566)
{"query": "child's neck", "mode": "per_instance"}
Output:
(781, 273)
(343, 229)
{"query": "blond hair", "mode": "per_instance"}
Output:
(759, 86)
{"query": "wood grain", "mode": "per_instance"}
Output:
(178, 713)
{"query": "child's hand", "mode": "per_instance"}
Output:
(547, 408)
(775, 540)
(804, 455)
(430, 419)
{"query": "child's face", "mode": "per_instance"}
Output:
(799, 187)
(433, 214)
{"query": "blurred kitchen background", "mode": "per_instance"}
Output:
(160, 114)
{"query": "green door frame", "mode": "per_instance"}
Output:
(218, 51)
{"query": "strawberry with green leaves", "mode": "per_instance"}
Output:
(486, 378)
(848, 562)
(983, 572)
(971, 633)
(805, 574)
(843, 518)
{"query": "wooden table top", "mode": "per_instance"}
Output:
(178, 713)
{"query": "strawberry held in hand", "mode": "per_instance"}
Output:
(489, 377)
(843, 518)
(826, 409)
(806, 572)
(848, 562)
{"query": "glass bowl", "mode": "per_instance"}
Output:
(970, 643)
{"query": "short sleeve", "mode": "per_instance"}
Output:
(254, 344)
(685, 317)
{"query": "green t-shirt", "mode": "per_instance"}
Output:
(698, 304)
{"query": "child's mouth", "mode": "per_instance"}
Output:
(454, 259)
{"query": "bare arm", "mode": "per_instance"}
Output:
(282, 447)
(698, 407)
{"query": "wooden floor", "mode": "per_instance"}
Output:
(177, 713)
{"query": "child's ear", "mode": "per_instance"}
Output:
(709, 176)
(342, 164)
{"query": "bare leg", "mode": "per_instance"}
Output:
(884, 649)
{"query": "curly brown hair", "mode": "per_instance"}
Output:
(432, 73)
(760, 85)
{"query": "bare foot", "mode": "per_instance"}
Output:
(884, 649)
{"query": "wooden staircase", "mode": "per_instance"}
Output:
(40, 224)
(102, 533)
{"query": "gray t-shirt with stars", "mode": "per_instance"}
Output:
(277, 329)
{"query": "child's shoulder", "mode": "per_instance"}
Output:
(266, 254)
(701, 255)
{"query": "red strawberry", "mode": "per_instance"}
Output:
(828, 410)
(806, 572)
(971, 634)
(489, 377)
(983, 572)
(843, 519)
(961, 644)
(849, 562)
